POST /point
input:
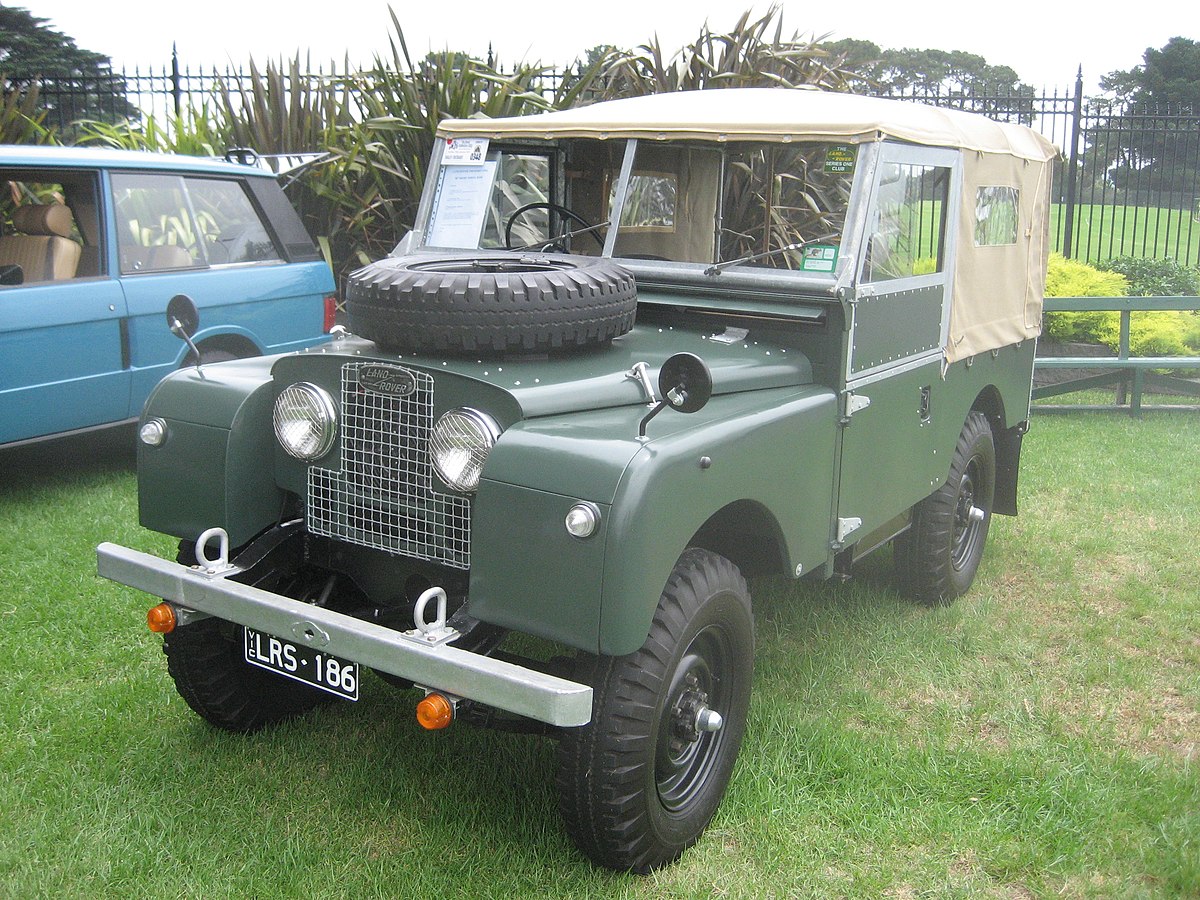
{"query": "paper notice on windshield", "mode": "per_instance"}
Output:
(465, 152)
(461, 205)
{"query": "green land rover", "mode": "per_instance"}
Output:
(630, 354)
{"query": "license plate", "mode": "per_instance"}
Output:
(304, 664)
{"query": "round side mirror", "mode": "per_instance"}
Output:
(685, 383)
(182, 316)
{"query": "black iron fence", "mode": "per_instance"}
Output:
(1128, 183)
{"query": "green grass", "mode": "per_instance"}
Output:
(1103, 232)
(1039, 738)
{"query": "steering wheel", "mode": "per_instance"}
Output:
(553, 207)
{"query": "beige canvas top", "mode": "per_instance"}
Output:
(765, 114)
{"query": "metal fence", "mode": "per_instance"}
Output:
(1128, 183)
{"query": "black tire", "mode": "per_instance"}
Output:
(936, 559)
(640, 783)
(206, 660)
(493, 304)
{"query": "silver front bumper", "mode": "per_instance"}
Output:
(443, 667)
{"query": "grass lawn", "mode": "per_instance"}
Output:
(1106, 231)
(1040, 738)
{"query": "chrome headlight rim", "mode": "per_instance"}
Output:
(305, 420)
(459, 465)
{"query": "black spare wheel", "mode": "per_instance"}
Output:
(492, 304)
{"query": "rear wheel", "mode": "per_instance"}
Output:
(936, 559)
(639, 784)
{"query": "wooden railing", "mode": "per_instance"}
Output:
(1132, 376)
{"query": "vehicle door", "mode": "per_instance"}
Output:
(63, 354)
(899, 321)
(203, 236)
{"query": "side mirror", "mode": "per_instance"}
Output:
(184, 321)
(182, 317)
(685, 384)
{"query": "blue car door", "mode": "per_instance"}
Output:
(63, 360)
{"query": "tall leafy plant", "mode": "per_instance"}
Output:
(754, 53)
(22, 121)
(402, 101)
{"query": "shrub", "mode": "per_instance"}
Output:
(1156, 277)
(1072, 278)
(1150, 333)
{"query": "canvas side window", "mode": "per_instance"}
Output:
(909, 232)
(155, 230)
(232, 230)
(996, 214)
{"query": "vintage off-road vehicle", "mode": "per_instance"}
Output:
(836, 300)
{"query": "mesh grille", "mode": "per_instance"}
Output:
(383, 498)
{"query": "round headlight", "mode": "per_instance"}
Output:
(305, 421)
(460, 444)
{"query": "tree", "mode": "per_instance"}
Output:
(935, 72)
(1169, 75)
(1156, 112)
(74, 83)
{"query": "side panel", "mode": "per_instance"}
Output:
(892, 457)
(778, 455)
(274, 307)
(61, 359)
(892, 453)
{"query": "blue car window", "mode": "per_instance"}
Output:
(156, 230)
(233, 231)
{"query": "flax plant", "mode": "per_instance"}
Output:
(750, 54)
(21, 121)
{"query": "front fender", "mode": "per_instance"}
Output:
(216, 466)
(771, 447)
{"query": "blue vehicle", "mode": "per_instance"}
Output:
(94, 245)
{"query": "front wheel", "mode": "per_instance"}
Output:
(206, 660)
(936, 559)
(639, 784)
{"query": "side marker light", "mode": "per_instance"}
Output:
(435, 712)
(161, 619)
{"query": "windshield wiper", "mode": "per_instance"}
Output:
(715, 268)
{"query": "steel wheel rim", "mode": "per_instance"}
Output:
(683, 763)
(968, 532)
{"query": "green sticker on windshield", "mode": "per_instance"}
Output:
(839, 159)
(819, 258)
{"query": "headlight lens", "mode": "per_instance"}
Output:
(305, 420)
(460, 444)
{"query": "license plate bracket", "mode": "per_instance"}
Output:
(307, 665)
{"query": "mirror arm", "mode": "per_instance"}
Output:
(180, 332)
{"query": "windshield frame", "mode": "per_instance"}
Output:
(843, 273)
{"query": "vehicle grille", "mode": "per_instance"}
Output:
(384, 498)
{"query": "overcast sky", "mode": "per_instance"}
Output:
(1044, 41)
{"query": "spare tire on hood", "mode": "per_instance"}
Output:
(491, 304)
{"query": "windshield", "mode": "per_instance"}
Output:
(766, 205)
